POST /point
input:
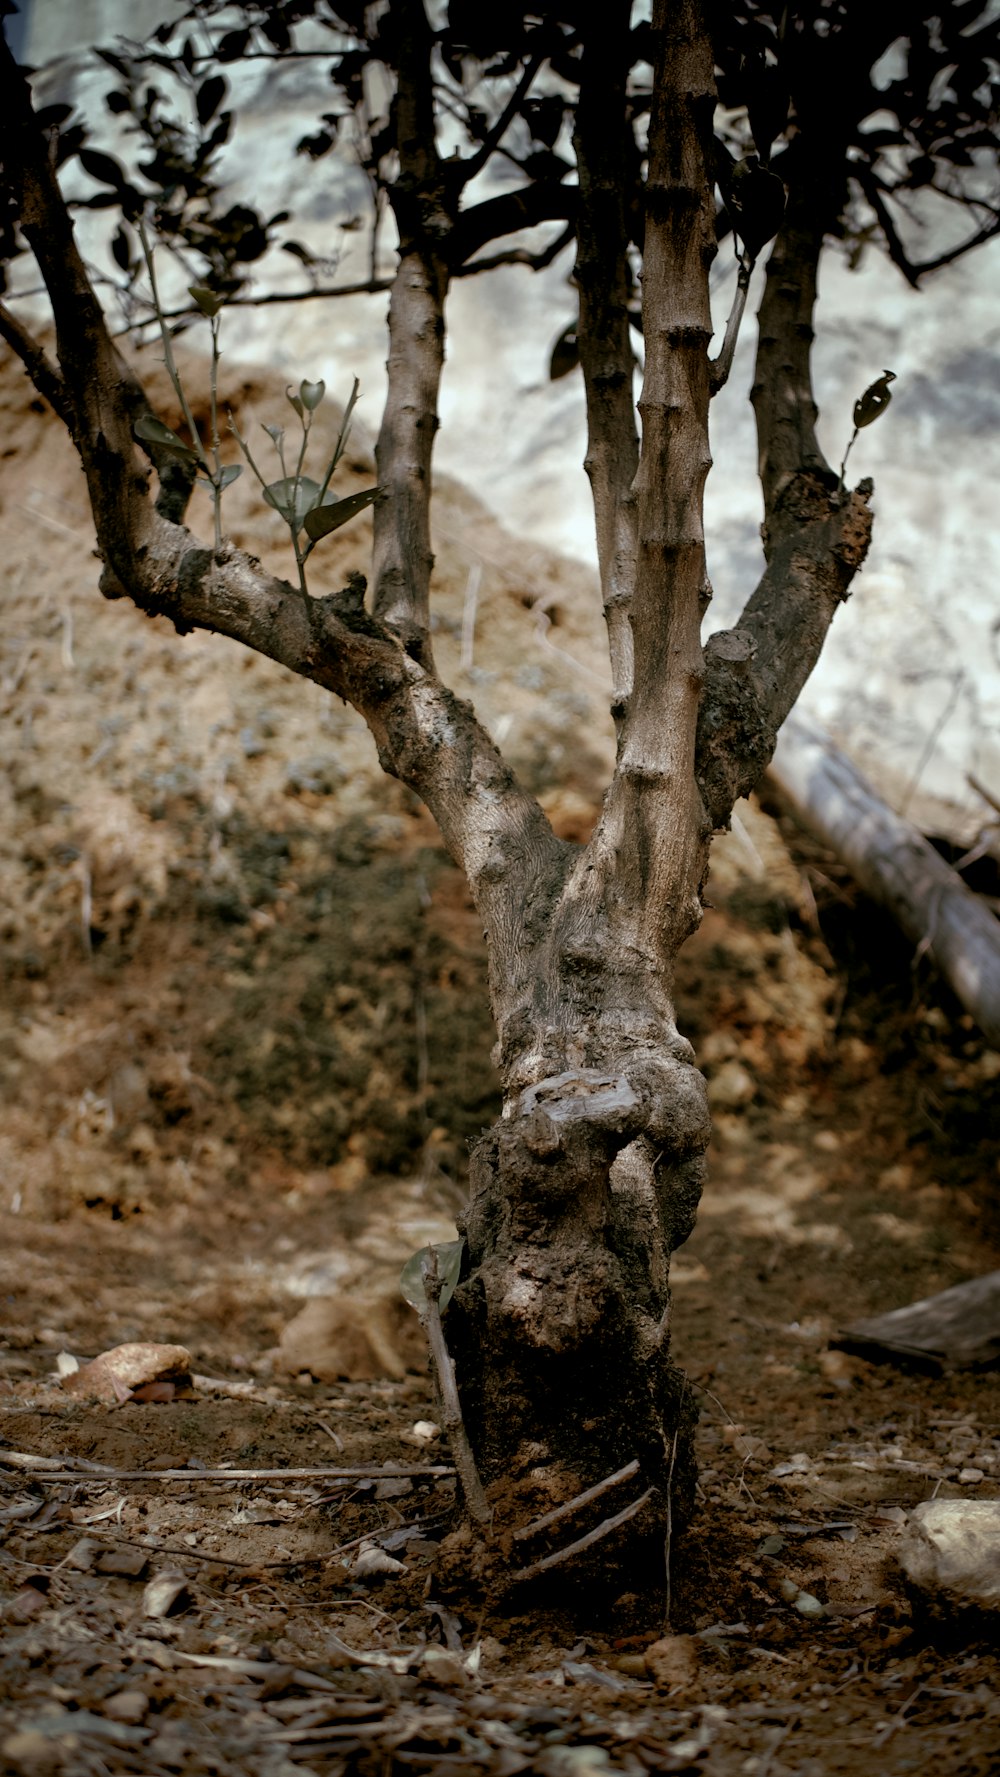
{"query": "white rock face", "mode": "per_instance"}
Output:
(909, 683)
(951, 1551)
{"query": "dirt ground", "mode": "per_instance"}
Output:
(243, 1048)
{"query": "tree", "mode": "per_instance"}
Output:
(834, 115)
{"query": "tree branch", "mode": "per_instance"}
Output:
(651, 836)
(519, 256)
(466, 170)
(424, 735)
(603, 281)
(402, 559)
(42, 372)
(543, 201)
(814, 540)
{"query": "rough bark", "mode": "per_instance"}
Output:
(592, 1176)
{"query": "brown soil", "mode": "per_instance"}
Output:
(243, 1046)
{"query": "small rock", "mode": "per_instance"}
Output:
(970, 1477)
(130, 1706)
(733, 1085)
(951, 1552)
(673, 1662)
(425, 1431)
(31, 1750)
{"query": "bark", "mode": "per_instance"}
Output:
(592, 1176)
(816, 534)
(403, 561)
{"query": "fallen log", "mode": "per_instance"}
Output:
(958, 1329)
(895, 865)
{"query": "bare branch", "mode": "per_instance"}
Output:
(782, 394)
(720, 367)
(444, 1372)
(603, 280)
(467, 170)
(542, 201)
(651, 839)
(519, 256)
(871, 186)
(814, 539)
(42, 372)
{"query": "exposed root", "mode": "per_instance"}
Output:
(573, 1505)
(584, 1542)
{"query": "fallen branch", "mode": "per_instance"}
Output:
(896, 866)
(67, 1468)
(451, 1407)
(585, 1542)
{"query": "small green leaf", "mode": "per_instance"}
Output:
(153, 431)
(323, 519)
(293, 497)
(311, 394)
(296, 403)
(449, 1264)
(209, 301)
(874, 401)
(229, 474)
(276, 435)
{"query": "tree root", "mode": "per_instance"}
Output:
(573, 1505)
(584, 1542)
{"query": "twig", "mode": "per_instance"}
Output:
(468, 169)
(719, 368)
(669, 1530)
(573, 1505)
(469, 615)
(584, 1542)
(933, 737)
(981, 790)
(444, 1371)
(64, 1468)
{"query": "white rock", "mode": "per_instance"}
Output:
(951, 1551)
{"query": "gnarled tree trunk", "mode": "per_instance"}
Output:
(560, 1327)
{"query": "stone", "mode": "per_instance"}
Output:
(950, 1551)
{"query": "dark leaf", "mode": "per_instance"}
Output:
(120, 250)
(210, 96)
(565, 353)
(875, 400)
(52, 117)
(209, 301)
(324, 519)
(153, 431)
(232, 45)
(102, 168)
